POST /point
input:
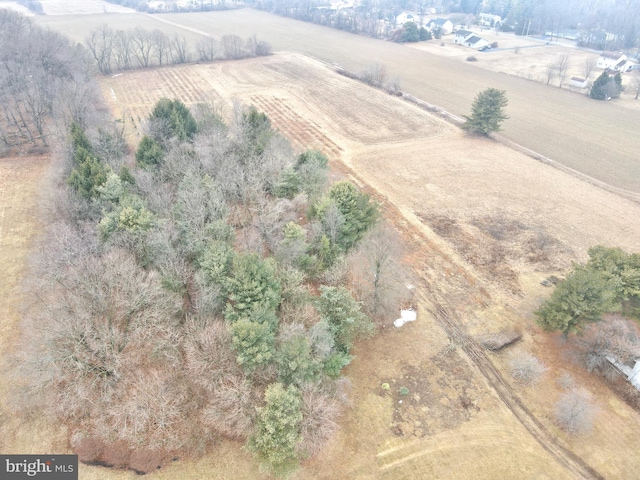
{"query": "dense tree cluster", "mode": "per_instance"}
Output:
(610, 281)
(43, 84)
(191, 295)
(606, 86)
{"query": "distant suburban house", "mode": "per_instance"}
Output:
(444, 24)
(612, 61)
(475, 42)
(341, 5)
(488, 20)
(157, 6)
(569, 34)
(405, 17)
(578, 82)
(460, 36)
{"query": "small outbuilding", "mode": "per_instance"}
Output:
(577, 82)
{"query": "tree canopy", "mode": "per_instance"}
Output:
(487, 112)
(606, 87)
(583, 297)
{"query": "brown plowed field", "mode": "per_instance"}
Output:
(596, 138)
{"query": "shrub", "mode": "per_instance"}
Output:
(526, 369)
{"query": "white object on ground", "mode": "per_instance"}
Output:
(405, 316)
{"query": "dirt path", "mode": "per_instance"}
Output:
(434, 294)
(494, 378)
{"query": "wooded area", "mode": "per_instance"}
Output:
(212, 287)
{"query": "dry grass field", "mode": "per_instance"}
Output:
(595, 138)
(484, 224)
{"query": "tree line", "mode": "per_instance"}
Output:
(209, 285)
(140, 48)
(172, 5)
(524, 17)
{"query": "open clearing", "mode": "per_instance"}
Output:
(596, 138)
(484, 224)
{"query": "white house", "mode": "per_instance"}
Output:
(475, 42)
(460, 36)
(488, 20)
(445, 25)
(612, 61)
(405, 17)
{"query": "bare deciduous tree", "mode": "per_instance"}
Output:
(575, 411)
(123, 50)
(232, 47)
(207, 49)
(142, 46)
(551, 72)
(588, 66)
(378, 277)
(255, 47)
(320, 411)
(636, 82)
(526, 368)
(232, 407)
(99, 325)
(161, 46)
(562, 67)
(100, 43)
(613, 337)
(179, 50)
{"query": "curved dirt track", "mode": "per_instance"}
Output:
(434, 296)
(494, 378)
